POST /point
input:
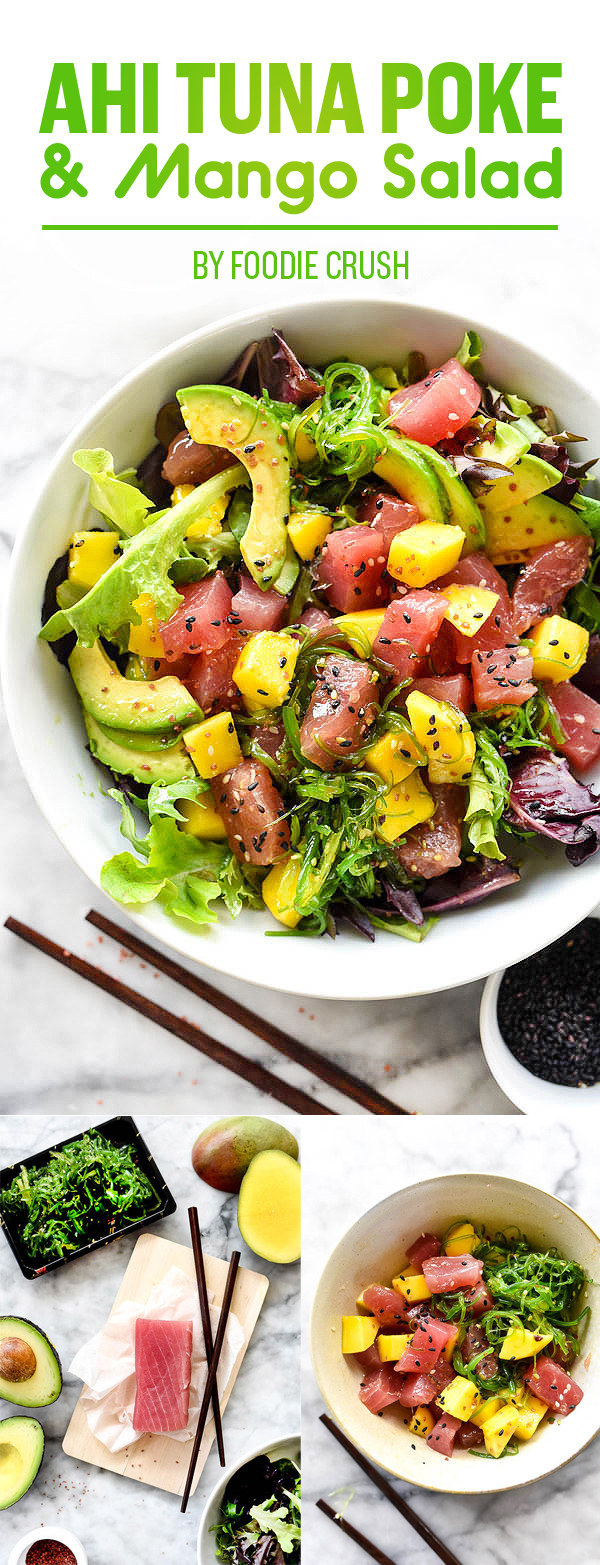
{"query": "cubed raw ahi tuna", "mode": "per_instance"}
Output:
(316, 621)
(475, 1343)
(545, 580)
(479, 1299)
(352, 568)
(442, 658)
(444, 1434)
(253, 609)
(477, 571)
(369, 1358)
(163, 1367)
(385, 1304)
(388, 513)
(469, 1436)
(210, 677)
(433, 848)
(188, 463)
(547, 1381)
(442, 1374)
(436, 407)
(502, 677)
(579, 718)
(201, 620)
(422, 1249)
(252, 810)
(429, 1340)
(269, 736)
(342, 707)
(408, 631)
(455, 688)
(380, 1388)
(446, 1273)
(416, 1390)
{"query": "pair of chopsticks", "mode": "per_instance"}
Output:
(441, 1549)
(212, 1349)
(264, 1080)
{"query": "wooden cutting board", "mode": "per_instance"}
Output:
(156, 1459)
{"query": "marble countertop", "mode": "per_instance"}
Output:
(343, 1176)
(72, 1303)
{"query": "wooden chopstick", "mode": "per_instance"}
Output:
(357, 1537)
(221, 1054)
(206, 1326)
(441, 1549)
(334, 1075)
(211, 1374)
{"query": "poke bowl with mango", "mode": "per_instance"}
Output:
(332, 640)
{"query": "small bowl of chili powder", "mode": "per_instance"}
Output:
(540, 1024)
(49, 1546)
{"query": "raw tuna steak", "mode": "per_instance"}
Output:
(201, 620)
(408, 631)
(253, 609)
(163, 1367)
(549, 1382)
(352, 568)
(342, 708)
(446, 1273)
(429, 1338)
(210, 678)
(252, 810)
(502, 677)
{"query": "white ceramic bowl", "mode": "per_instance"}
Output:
(286, 1445)
(44, 713)
(371, 1251)
(17, 1555)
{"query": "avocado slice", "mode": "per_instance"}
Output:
(30, 1372)
(152, 744)
(508, 445)
(464, 510)
(166, 766)
(147, 705)
(405, 466)
(511, 535)
(21, 1452)
(222, 416)
(530, 477)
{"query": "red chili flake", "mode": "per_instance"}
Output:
(48, 1551)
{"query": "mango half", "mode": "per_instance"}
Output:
(224, 1151)
(268, 1211)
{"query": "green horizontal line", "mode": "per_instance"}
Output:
(299, 228)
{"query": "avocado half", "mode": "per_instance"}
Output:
(30, 1372)
(21, 1452)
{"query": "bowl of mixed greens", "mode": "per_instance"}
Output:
(254, 1512)
(309, 618)
(455, 1333)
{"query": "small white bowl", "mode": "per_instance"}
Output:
(286, 1445)
(49, 1534)
(372, 1250)
(530, 1093)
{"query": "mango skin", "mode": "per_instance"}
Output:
(224, 1151)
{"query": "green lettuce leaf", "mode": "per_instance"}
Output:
(275, 1520)
(162, 797)
(488, 795)
(180, 871)
(113, 495)
(470, 351)
(143, 567)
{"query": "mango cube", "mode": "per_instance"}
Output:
(497, 1431)
(358, 1333)
(209, 525)
(90, 555)
(451, 1345)
(391, 1348)
(559, 648)
(394, 756)
(213, 745)
(308, 530)
(405, 805)
(264, 670)
(181, 492)
(145, 639)
(304, 444)
(201, 818)
(522, 1344)
(446, 737)
(460, 1240)
(361, 629)
(461, 1398)
(412, 1288)
(278, 892)
(531, 1412)
(421, 553)
(422, 1422)
(469, 607)
(489, 1407)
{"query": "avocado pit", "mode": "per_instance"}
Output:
(17, 1360)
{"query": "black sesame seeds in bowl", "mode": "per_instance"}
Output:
(540, 1024)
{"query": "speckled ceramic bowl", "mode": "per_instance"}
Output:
(372, 1250)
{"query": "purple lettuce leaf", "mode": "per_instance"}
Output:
(58, 573)
(474, 881)
(402, 900)
(270, 365)
(347, 912)
(546, 798)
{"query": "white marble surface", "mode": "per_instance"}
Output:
(115, 1519)
(347, 1168)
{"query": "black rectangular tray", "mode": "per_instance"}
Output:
(122, 1131)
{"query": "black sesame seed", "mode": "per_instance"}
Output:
(549, 1009)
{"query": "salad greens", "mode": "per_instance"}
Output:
(87, 1188)
(259, 1523)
